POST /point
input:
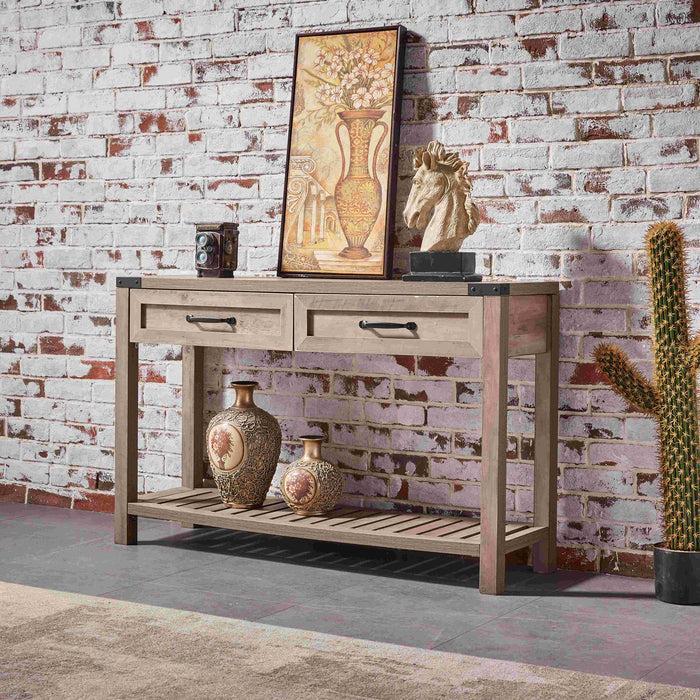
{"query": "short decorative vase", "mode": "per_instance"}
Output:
(311, 486)
(244, 444)
(358, 195)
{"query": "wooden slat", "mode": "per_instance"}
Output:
(155, 495)
(430, 533)
(189, 493)
(459, 530)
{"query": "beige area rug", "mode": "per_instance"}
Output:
(63, 646)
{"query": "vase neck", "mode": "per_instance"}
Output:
(244, 394)
(360, 132)
(312, 447)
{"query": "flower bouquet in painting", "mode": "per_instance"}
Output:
(340, 179)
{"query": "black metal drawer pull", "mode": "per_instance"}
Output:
(410, 326)
(231, 320)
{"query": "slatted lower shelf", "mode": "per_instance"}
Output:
(379, 528)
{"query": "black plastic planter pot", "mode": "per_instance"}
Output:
(677, 576)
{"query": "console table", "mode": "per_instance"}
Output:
(493, 321)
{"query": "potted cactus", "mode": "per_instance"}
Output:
(672, 401)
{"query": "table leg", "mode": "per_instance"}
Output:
(192, 413)
(492, 556)
(546, 433)
(125, 425)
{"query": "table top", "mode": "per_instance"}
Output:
(487, 287)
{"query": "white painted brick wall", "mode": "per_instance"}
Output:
(122, 124)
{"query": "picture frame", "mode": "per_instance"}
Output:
(339, 192)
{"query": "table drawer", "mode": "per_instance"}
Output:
(261, 320)
(444, 325)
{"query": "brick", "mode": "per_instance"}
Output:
(629, 71)
(535, 130)
(646, 209)
(549, 22)
(622, 510)
(478, 27)
(628, 126)
(684, 123)
(538, 184)
(546, 75)
(526, 264)
(600, 154)
(319, 13)
(665, 40)
(586, 101)
(597, 265)
(611, 182)
(516, 157)
(684, 68)
(167, 74)
(674, 179)
(662, 151)
(619, 16)
(643, 98)
(524, 50)
(513, 105)
(619, 236)
(594, 45)
(466, 55)
(555, 237)
(488, 78)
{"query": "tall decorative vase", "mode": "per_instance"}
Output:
(311, 486)
(358, 194)
(244, 444)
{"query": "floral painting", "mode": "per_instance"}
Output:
(340, 180)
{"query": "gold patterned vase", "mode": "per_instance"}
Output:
(358, 195)
(243, 443)
(311, 486)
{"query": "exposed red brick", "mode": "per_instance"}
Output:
(63, 170)
(435, 366)
(638, 564)
(586, 373)
(95, 501)
(13, 493)
(577, 559)
(538, 48)
(159, 122)
(98, 369)
(80, 280)
(54, 345)
(47, 498)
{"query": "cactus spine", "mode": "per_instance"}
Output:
(672, 400)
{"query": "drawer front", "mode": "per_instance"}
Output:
(263, 321)
(451, 326)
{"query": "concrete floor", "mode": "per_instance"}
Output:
(607, 625)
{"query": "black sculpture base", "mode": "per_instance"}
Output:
(441, 266)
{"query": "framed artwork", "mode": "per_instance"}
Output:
(340, 183)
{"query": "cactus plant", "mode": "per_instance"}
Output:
(672, 399)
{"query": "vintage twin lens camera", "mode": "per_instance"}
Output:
(216, 250)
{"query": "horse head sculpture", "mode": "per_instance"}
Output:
(440, 200)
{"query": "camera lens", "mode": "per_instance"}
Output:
(201, 239)
(202, 257)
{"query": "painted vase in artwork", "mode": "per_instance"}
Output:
(312, 486)
(244, 444)
(358, 194)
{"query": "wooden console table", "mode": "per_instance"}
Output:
(494, 321)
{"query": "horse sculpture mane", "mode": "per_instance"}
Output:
(440, 199)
